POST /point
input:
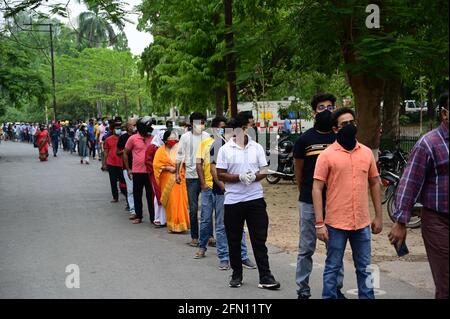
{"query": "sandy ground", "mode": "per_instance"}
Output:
(282, 203)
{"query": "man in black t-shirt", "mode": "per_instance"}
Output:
(131, 129)
(306, 151)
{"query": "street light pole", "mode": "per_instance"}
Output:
(52, 59)
(230, 58)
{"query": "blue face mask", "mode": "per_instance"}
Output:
(221, 131)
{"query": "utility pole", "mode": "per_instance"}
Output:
(51, 58)
(230, 58)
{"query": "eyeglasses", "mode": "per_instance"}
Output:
(329, 107)
(345, 123)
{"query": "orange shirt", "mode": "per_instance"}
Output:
(346, 175)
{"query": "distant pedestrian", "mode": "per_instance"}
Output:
(42, 140)
(55, 133)
(114, 162)
(83, 149)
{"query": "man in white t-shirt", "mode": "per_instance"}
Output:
(186, 155)
(241, 165)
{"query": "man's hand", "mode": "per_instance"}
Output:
(397, 236)
(177, 178)
(130, 174)
(322, 234)
(221, 186)
(377, 225)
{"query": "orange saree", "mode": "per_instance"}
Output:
(173, 196)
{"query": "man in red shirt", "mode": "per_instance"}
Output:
(114, 162)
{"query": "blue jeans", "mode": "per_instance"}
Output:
(307, 247)
(360, 242)
(193, 190)
(70, 145)
(210, 202)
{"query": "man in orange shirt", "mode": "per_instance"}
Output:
(348, 169)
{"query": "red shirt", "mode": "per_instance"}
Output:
(111, 145)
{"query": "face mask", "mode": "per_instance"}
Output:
(323, 121)
(172, 143)
(346, 137)
(99, 122)
(134, 129)
(118, 131)
(221, 131)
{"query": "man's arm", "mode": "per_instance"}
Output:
(179, 159)
(127, 165)
(225, 177)
(216, 178)
(201, 175)
(322, 232)
(375, 191)
(105, 157)
(298, 170)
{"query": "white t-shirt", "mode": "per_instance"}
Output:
(237, 160)
(187, 151)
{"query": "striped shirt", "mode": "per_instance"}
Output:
(425, 179)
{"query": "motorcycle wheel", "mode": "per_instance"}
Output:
(415, 220)
(272, 179)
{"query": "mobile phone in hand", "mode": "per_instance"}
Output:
(402, 250)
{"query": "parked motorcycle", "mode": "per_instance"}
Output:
(285, 170)
(391, 180)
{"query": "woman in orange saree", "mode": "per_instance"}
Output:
(173, 196)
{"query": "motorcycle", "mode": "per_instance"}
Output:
(390, 180)
(285, 169)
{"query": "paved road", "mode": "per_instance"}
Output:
(58, 213)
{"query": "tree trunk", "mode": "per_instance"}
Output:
(230, 58)
(368, 92)
(391, 110)
(219, 102)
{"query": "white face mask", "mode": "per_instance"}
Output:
(118, 131)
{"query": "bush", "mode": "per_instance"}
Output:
(404, 120)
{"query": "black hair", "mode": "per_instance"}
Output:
(339, 112)
(243, 118)
(322, 97)
(166, 135)
(443, 101)
(217, 120)
(232, 123)
(197, 116)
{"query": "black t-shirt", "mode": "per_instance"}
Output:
(72, 129)
(308, 147)
(121, 146)
(214, 151)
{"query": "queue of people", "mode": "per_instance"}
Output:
(334, 172)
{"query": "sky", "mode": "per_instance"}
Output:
(137, 41)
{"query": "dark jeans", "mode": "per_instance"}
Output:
(360, 241)
(91, 145)
(55, 144)
(435, 238)
(141, 180)
(115, 175)
(255, 214)
(193, 189)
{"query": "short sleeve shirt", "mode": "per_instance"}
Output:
(308, 148)
(111, 146)
(203, 154)
(138, 146)
(346, 175)
(237, 160)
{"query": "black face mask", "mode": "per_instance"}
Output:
(346, 137)
(323, 121)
